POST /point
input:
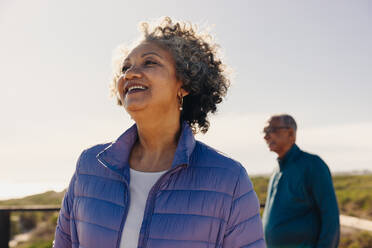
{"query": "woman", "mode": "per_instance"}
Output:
(155, 186)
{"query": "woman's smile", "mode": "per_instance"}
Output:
(134, 87)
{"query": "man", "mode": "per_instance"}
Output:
(301, 208)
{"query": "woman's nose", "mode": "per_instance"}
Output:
(132, 72)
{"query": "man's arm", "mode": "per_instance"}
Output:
(326, 202)
(244, 227)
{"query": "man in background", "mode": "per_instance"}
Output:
(301, 208)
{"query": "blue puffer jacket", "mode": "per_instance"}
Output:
(205, 200)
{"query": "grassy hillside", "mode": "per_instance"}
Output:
(47, 198)
(354, 195)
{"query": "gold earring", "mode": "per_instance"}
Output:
(181, 103)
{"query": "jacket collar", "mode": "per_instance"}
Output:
(290, 155)
(116, 155)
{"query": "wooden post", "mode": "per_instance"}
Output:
(4, 229)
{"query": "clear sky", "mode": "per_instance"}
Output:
(311, 59)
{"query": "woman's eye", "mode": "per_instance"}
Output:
(125, 68)
(150, 62)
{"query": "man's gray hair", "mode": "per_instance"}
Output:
(286, 120)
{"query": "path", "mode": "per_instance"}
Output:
(357, 223)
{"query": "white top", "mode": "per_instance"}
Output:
(139, 188)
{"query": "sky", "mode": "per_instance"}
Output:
(310, 59)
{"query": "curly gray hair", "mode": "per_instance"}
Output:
(202, 73)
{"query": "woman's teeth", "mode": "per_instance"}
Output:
(136, 87)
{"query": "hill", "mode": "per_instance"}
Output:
(47, 198)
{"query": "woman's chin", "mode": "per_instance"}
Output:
(133, 105)
(135, 110)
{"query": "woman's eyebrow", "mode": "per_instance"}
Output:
(127, 59)
(151, 53)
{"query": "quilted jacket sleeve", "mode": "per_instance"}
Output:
(63, 233)
(244, 227)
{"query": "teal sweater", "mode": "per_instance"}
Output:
(301, 208)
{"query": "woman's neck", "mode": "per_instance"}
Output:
(156, 145)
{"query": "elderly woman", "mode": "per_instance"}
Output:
(156, 186)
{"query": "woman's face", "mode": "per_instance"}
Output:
(148, 81)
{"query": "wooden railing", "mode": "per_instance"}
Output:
(5, 212)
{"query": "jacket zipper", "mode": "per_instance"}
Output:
(151, 203)
(123, 219)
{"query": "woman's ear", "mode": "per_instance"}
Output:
(183, 92)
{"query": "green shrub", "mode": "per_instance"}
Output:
(38, 244)
(356, 240)
(28, 220)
